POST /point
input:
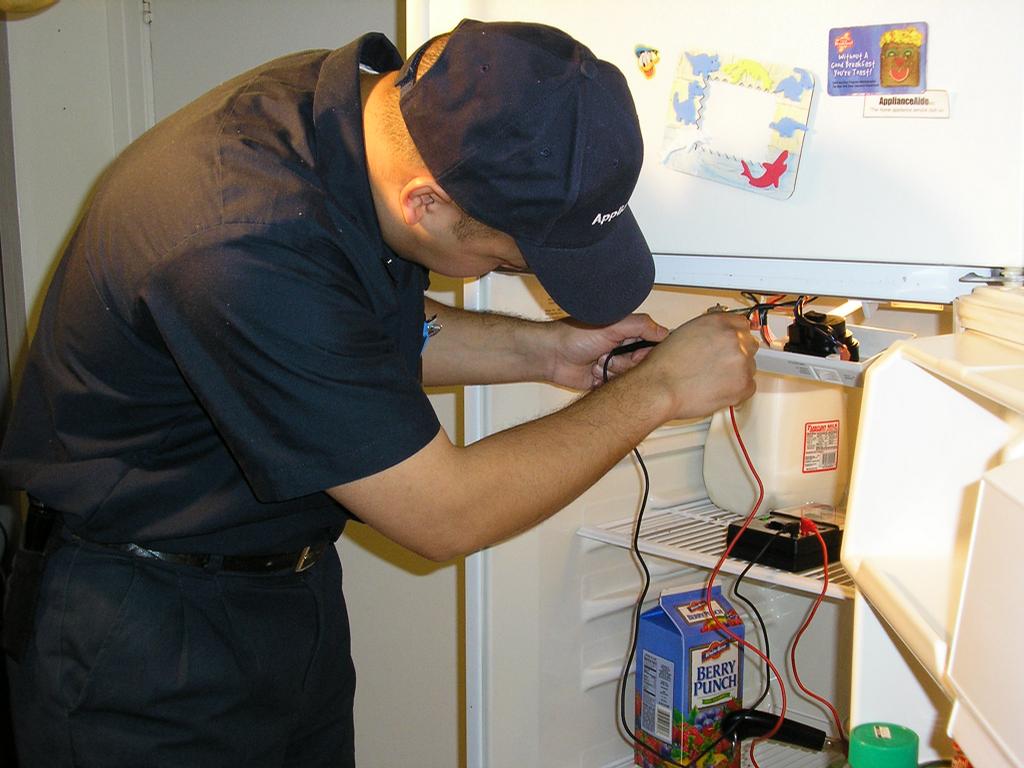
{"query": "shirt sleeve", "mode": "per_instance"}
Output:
(294, 361)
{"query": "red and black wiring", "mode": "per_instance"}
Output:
(808, 526)
(758, 312)
(714, 574)
(753, 608)
(761, 309)
(638, 607)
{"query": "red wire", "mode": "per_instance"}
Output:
(711, 580)
(809, 524)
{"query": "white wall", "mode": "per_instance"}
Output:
(60, 136)
(80, 88)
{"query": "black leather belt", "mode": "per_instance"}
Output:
(296, 562)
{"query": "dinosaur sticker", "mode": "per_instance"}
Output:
(793, 87)
(787, 126)
(702, 64)
(686, 109)
(738, 121)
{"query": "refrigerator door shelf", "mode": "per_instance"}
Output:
(910, 565)
(695, 533)
(995, 312)
(987, 704)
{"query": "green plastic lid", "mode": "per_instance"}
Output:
(882, 745)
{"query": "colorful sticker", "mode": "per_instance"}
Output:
(647, 58)
(738, 121)
(883, 58)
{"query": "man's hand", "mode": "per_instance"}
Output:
(706, 364)
(579, 352)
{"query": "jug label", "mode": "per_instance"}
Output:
(821, 446)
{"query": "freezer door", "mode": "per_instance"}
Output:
(924, 187)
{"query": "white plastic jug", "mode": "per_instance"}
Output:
(798, 433)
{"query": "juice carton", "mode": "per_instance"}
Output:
(689, 674)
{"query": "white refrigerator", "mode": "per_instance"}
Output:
(870, 151)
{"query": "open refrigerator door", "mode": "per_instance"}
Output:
(935, 498)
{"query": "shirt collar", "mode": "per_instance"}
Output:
(338, 122)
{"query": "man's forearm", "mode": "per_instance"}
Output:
(447, 500)
(483, 493)
(483, 348)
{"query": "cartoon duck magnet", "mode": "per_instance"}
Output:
(646, 58)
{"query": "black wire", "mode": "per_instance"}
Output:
(638, 607)
(760, 621)
(637, 610)
(935, 764)
(762, 309)
(626, 349)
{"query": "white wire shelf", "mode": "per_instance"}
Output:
(695, 533)
(771, 755)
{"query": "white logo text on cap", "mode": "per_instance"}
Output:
(604, 218)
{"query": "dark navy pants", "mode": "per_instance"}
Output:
(137, 663)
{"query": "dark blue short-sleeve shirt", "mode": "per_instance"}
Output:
(227, 334)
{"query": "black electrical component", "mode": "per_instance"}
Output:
(814, 333)
(751, 723)
(788, 548)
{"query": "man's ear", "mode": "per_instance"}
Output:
(417, 197)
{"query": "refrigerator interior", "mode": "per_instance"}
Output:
(550, 612)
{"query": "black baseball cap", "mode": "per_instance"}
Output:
(534, 136)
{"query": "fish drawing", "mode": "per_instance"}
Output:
(772, 172)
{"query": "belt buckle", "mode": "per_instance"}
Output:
(307, 558)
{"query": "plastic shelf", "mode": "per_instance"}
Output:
(873, 342)
(770, 755)
(695, 533)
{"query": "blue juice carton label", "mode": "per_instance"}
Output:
(689, 675)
